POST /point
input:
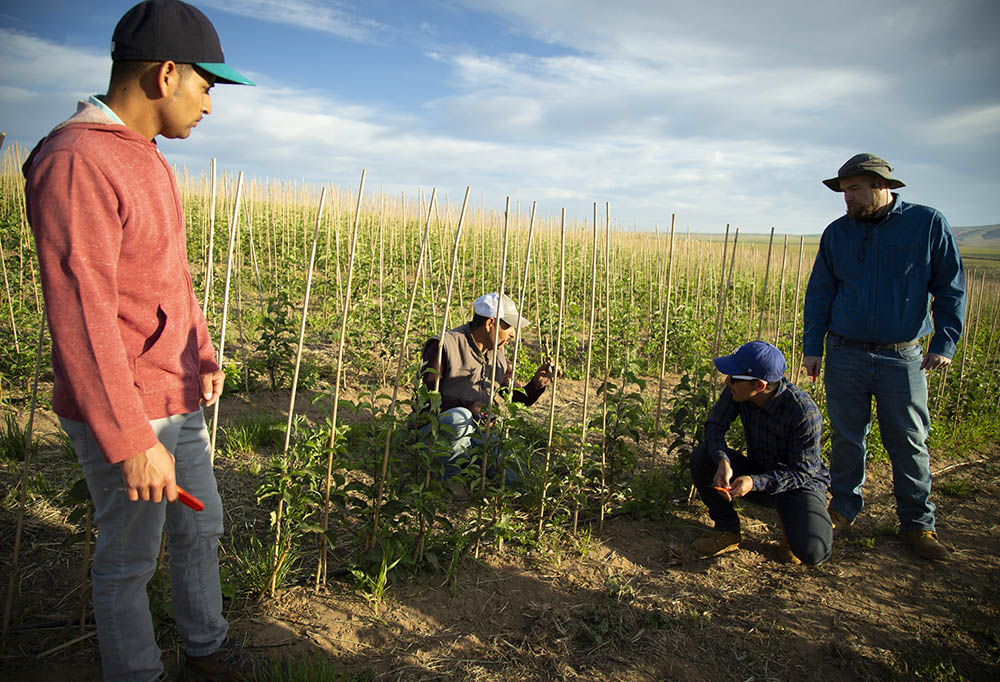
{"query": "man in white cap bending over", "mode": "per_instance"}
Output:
(467, 360)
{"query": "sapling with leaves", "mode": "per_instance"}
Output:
(291, 403)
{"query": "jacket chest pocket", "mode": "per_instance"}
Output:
(849, 267)
(901, 260)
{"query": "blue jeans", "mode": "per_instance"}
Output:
(853, 377)
(128, 544)
(461, 428)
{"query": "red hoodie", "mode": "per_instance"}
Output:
(129, 342)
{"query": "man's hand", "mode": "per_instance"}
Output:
(544, 373)
(149, 474)
(211, 387)
(723, 473)
(475, 408)
(934, 361)
(741, 486)
(812, 364)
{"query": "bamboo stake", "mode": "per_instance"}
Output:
(10, 299)
(209, 257)
(524, 287)
(65, 645)
(381, 263)
(419, 550)
(555, 373)
(548, 290)
(233, 227)
(796, 315)
(23, 486)
(493, 381)
(722, 288)
(85, 564)
(719, 307)
(377, 507)
(607, 357)
(590, 352)
(337, 381)
(451, 284)
(248, 205)
(277, 558)
(763, 291)
(781, 295)
(969, 346)
(663, 352)
(993, 330)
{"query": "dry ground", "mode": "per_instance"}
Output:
(626, 602)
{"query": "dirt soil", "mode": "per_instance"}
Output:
(624, 602)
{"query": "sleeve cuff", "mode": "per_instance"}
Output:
(128, 444)
(720, 455)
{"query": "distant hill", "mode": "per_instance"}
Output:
(981, 237)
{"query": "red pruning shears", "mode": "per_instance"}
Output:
(189, 499)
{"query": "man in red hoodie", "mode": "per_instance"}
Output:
(131, 353)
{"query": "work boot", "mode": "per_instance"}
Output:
(229, 664)
(716, 543)
(926, 544)
(839, 521)
(785, 554)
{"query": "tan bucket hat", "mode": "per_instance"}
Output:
(861, 164)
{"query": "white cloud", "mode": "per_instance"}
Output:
(309, 14)
(968, 125)
(41, 81)
(710, 111)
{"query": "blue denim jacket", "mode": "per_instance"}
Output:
(872, 281)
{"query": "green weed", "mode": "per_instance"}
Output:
(955, 487)
(251, 434)
(312, 669)
(374, 584)
(251, 566)
(14, 443)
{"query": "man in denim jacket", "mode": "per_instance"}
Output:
(877, 269)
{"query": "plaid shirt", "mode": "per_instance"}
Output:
(783, 437)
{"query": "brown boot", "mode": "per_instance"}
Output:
(926, 544)
(839, 521)
(228, 664)
(785, 554)
(716, 543)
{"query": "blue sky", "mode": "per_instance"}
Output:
(722, 112)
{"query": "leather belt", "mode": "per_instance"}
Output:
(873, 347)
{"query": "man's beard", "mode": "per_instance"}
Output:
(859, 211)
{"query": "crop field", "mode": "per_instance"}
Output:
(348, 557)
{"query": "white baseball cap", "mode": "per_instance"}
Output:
(486, 306)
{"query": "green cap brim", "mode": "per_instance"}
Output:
(224, 73)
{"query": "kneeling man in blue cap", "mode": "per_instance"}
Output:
(782, 467)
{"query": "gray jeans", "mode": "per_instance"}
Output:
(128, 543)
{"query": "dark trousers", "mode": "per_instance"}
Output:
(802, 512)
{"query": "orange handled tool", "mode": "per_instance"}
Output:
(189, 499)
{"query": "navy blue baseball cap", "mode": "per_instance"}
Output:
(161, 30)
(754, 360)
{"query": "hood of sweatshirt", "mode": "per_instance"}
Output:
(88, 116)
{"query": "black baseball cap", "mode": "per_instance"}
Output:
(161, 30)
